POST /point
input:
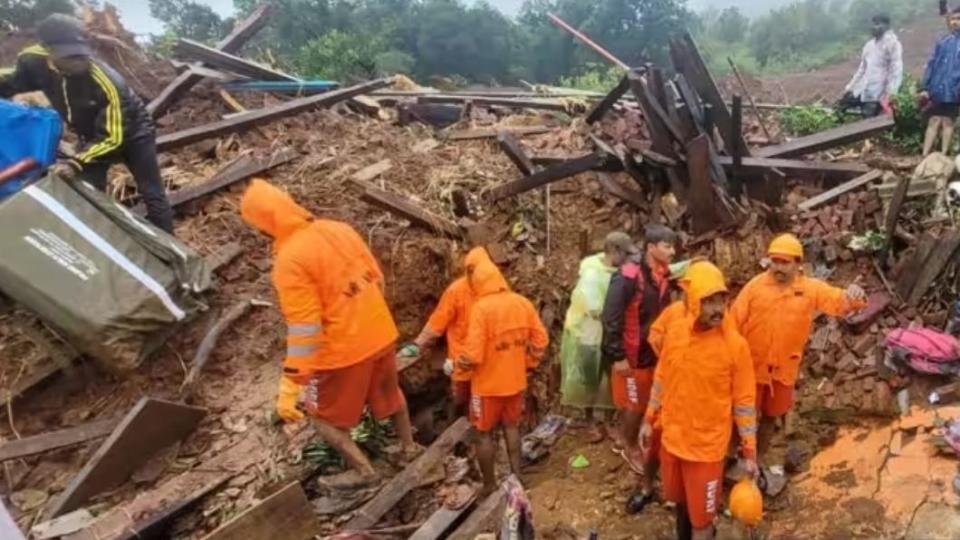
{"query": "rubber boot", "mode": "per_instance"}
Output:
(684, 527)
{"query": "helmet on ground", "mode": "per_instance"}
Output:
(746, 503)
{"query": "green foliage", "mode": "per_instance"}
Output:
(597, 78)
(370, 435)
(16, 14)
(190, 19)
(907, 134)
(731, 25)
(807, 119)
(394, 62)
(339, 55)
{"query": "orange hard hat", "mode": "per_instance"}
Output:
(746, 503)
(786, 245)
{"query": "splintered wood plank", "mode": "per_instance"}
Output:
(408, 210)
(285, 515)
(439, 522)
(486, 101)
(701, 198)
(796, 166)
(836, 192)
(368, 173)
(934, 265)
(549, 175)
(228, 62)
(484, 518)
(152, 425)
(831, 138)
(490, 133)
(45, 442)
(908, 278)
(401, 484)
(608, 101)
(622, 192)
(893, 211)
(511, 146)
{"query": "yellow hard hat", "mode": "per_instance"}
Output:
(786, 245)
(746, 503)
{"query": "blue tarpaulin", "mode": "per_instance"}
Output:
(27, 132)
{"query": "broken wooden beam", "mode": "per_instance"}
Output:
(608, 101)
(227, 62)
(828, 169)
(409, 210)
(659, 134)
(484, 518)
(156, 526)
(371, 172)
(152, 425)
(511, 146)
(549, 175)
(626, 194)
(893, 210)
(44, 442)
(933, 265)
(920, 252)
(701, 199)
(485, 101)
(401, 484)
(284, 515)
(182, 84)
(846, 187)
(259, 117)
(438, 522)
(493, 132)
(831, 138)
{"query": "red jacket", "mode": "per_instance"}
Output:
(636, 296)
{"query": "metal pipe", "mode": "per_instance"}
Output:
(589, 42)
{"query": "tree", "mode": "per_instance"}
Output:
(17, 14)
(731, 25)
(340, 56)
(189, 19)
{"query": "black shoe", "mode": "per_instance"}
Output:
(637, 501)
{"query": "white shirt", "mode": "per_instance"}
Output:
(881, 69)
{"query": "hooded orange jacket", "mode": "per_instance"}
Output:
(776, 321)
(704, 380)
(328, 283)
(505, 336)
(452, 314)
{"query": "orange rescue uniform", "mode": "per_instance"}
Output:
(703, 385)
(340, 333)
(505, 338)
(452, 316)
(776, 320)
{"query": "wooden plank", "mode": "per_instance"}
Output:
(701, 199)
(227, 62)
(548, 176)
(156, 527)
(369, 173)
(409, 210)
(688, 61)
(831, 138)
(439, 522)
(259, 117)
(44, 442)
(608, 101)
(182, 84)
(511, 146)
(485, 518)
(622, 192)
(152, 505)
(285, 515)
(893, 211)
(846, 187)
(486, 101)
(736, 151)
(908, 277)
(491, 133)
(828, 169)
(401, 484)
(659, 133)
(934, 265)
(654, 106)
(149, 427)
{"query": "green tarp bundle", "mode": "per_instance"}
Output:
(108, 282)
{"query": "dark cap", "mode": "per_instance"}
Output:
(654, 234)
(63, 35)
(620, 241)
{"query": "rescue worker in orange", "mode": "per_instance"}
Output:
(451, 317)
(774, 312)
(505, 338)
(340, 334)
(703, 385)
(638, 292)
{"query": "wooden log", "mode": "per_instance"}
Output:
(484, 518)
(409, 210)
(893, 211)
(511, 146)
(259, 117)
(401, 484)
(836, 192)
(701, 199)
(736, 151)
(438, 523)
(831, 138)
(484, 101)
(622, 192)
(228, 62)
(44, 442)
(659, 133)
(608, 101)
(908, 277)
(151, 426)
(548, 176)
(490, 133)
(828, 169)
(230, 44)
(285, 515)
(934, 265)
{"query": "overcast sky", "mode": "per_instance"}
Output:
(136, 13)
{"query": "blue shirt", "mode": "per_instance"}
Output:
(942, 78)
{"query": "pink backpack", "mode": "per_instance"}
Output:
(925, 350)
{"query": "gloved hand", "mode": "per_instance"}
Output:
(410, 350)
(287, 396)
(448, 367)
(65, 169)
